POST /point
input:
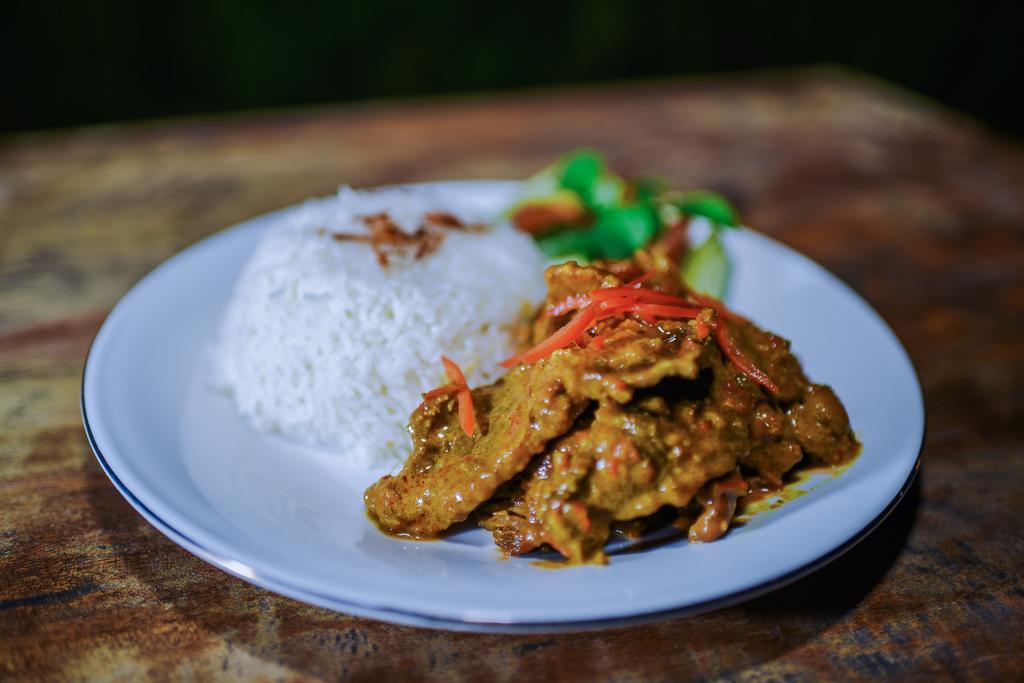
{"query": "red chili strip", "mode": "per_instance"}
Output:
(647, 305)
(739, 360)
(453, 371)
(578, 301)
(467, 416)
(440, 391)
(640, 280)
(560, 339)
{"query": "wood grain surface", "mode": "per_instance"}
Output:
(917, 208)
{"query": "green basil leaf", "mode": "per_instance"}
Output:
(619, 232)
(710, 205)
(568, 242)
(706, 268)
(582, 172)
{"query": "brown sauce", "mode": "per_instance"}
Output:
(767, 498)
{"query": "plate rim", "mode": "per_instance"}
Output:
(417, 618)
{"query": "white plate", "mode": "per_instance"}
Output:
(291, 519)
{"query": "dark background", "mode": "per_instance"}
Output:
(69, 63)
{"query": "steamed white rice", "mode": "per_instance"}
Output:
(323, 345)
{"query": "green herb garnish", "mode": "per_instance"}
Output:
(577, 208)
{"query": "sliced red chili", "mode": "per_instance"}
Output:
(564, 336)
(440, 391)
(467, 416)
(736, 357)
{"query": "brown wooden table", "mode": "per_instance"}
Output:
(917, 208)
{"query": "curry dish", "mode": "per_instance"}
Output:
(638, 399)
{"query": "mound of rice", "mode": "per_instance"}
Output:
(323, 345)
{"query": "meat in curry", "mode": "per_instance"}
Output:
(650, 399)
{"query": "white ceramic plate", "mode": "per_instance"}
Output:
(291, 519)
